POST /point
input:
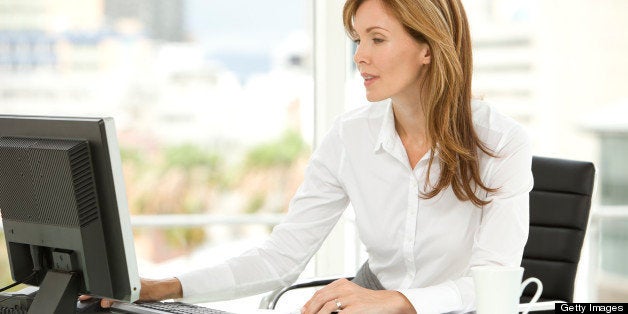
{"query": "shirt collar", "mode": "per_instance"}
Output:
(387, 131)
(388, 138)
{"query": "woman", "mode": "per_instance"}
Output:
(439, 183)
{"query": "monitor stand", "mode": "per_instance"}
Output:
(57, 294)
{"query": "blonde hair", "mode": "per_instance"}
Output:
(442, 24)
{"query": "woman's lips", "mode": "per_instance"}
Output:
(369, 79)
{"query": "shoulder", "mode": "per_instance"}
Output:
(354, 124)
(365, 120)
(485, 116)
(365, 111)
(494, 128)
(509, 170)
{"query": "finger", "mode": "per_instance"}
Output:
(316, 302)
(84, 297)
(106, 303)
(336, 289)
(313, 305)
(328, 308)
(338, 305)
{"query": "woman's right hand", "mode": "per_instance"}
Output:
(160, 289)
(150, 290)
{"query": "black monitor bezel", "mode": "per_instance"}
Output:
(107, 166)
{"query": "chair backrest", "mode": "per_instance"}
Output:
(560, 202)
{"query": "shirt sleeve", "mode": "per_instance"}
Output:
(503, 231)
(313, 212)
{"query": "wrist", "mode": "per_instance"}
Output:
(155, 290)
(404, 305)
(174, 290)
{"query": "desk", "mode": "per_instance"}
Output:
(539, 306)
(124, 308)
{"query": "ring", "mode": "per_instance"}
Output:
(338, 304)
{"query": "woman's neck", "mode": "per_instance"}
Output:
(409, 120)
(411, 127)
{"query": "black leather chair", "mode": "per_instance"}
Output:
(560, 202)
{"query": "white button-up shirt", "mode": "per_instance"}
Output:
(424, 248)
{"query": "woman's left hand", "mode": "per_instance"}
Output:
(345, 295)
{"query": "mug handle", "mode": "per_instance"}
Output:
(537, 294)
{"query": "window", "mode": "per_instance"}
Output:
(213, 103)
(528, 64)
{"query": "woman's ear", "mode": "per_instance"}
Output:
(426, 54)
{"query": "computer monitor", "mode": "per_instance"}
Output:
(64, 210)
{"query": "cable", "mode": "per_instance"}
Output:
(19, 281)
(11, 296)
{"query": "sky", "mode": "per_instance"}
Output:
(244, 24)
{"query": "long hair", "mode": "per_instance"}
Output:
(446, 90)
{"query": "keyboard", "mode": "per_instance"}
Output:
(14, 303)
(163, 308)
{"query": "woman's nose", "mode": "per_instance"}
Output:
(359, 56)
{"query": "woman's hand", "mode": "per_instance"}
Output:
(150, 290)
(355, 299)
(160, 289)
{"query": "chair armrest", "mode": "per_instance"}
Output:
(270, 300)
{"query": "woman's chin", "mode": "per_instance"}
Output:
(374, 98)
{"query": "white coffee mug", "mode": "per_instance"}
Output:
(498, 289)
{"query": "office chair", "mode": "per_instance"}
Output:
(560, 202)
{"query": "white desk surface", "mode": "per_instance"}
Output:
(539, 306)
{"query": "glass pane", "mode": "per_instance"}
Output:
(613, 178)
(212, 102)
(613, 169)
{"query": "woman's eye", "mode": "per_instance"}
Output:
(356, 41)
(378, 40)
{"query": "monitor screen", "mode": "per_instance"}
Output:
(64, 209)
